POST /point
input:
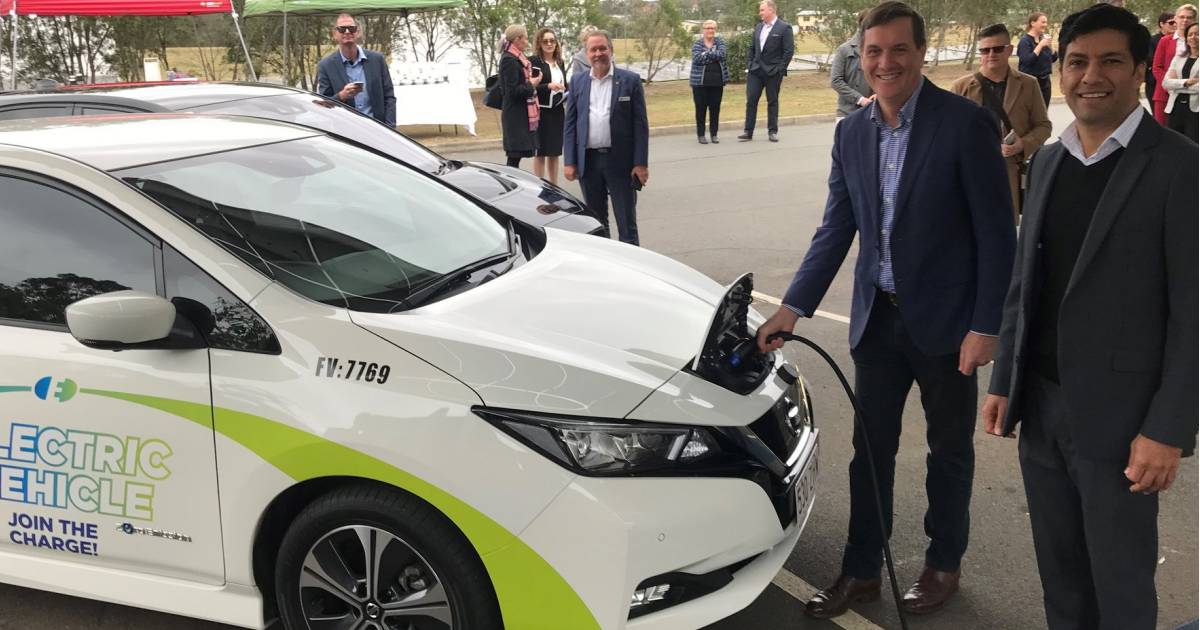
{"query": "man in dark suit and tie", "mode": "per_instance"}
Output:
(918, 177)
(606, 139)
(357, 77)
(770, 53)
(1097, 354)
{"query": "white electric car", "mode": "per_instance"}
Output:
(249, 371)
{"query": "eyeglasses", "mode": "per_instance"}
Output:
(347, 29)
(549, 40)
(993, 50)
(1170, 22)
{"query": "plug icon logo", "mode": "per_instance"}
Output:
(64, 390)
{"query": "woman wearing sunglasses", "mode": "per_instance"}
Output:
(1166, 28)
(551, 96)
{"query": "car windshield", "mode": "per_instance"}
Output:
(321, 113)
(333, 222)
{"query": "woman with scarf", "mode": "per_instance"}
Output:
(519, 80)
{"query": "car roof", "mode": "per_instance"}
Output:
(176, 96)
(125, 140)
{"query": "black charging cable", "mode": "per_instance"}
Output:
(858, 418)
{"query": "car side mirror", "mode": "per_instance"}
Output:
(123, 320)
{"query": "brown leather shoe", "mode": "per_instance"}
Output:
(836, 599)
(931, 591)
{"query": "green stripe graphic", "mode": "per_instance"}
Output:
(532, 595)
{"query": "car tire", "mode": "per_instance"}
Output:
(426, 572)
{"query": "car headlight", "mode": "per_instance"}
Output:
(609, 447)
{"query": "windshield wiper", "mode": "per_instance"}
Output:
(436, 287)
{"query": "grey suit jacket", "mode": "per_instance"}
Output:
(846, 76)
(1127, 327)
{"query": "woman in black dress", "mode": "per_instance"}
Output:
(552, 98)
(519, 113)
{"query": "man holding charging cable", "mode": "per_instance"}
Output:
(355, 76)
(919, 178)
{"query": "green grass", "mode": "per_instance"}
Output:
(670, 103)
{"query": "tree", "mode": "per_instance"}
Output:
(60, 48)
(658, 30)
(134, 37)
(479, 25)
(429, 35)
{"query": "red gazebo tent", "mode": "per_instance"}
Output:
(16, 8)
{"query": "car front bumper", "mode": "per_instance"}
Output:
(609, 536)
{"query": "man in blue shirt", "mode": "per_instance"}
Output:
(918, 177)
(355, 76)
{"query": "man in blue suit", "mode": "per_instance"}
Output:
(919, 178)
(355, 76)
(606, 141)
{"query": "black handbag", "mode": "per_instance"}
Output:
(493, 92)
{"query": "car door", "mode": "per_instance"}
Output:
(106, 458)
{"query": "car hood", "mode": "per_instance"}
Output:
(521, 195)
(587, 327)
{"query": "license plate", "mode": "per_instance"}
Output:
(806, 487)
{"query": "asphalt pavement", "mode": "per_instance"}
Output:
(734, 207)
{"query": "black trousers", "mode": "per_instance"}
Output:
(1096, 542)
(1183, 119)
(601, 180)
(708, 101)
(755, 84)
(1044, 83)
(885, 365)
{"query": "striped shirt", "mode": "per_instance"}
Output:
(893, 146)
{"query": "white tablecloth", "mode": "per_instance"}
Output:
(433, 94)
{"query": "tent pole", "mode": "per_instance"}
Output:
(13, 62)
(287, 57)
(245, 49)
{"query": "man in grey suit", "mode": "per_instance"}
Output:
(770, 53)
(355, 76)
(1097, 353)
(846, 75)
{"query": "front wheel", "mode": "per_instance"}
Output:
(372, 558)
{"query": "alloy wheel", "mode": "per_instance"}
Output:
(366, 578)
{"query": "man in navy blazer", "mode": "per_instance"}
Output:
(606, 141)
(771, 51)
(919, 178)
(355, 76)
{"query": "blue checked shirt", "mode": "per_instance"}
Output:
(893, 146)
(354, 71)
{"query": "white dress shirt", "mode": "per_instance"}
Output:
(765, 33)
(556, 76)
(600, 110)
(1119, 139)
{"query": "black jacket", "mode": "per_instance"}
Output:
(514, 114)
(776, 53)
(1127, 324)
(543, 91)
